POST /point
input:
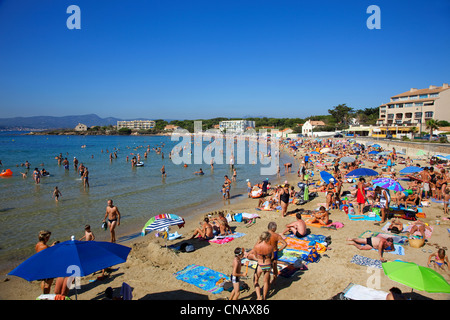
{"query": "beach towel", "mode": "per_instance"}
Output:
(221, 240)
(358, 292)
(310, 237)
(399, 250)
(126, 291)
(304, 245)
(428, 233)
(397, 239)
(289, 255)
(316, 224)
(202, 277)
(366, 262)
(363, 217)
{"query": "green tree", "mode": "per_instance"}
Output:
(342, 113)
(432, 125)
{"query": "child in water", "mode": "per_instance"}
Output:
(57, 194)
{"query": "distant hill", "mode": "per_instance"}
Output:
(48, 122)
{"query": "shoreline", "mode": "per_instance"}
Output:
(323, 280)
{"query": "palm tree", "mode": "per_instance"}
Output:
(432, 125)
(413, 131)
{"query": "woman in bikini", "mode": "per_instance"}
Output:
(439, 259)
(263, 254)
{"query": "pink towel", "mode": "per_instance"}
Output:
(222, 241)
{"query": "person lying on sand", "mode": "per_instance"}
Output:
(376, 243)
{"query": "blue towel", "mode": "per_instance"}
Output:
(363, 217)
(202, 277)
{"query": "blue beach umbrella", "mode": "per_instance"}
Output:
(71, 258)
(376, 146)
(360, 172)
(314, 152)
(326, 176)
(373, 152)
(411, 169)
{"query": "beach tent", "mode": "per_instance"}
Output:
(361, 172)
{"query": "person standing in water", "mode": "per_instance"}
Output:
(113, 216)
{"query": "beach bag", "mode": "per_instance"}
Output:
(313, 255)
(228, 286)
(187, 247)
(238, 217)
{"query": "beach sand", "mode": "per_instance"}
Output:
(150, 267)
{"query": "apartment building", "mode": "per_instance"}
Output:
(414, 107)
(236, 126)
(136, 124)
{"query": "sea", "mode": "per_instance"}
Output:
(139, 192)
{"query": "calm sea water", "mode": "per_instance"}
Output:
(139, 193)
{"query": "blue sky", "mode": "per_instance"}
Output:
(194, 59)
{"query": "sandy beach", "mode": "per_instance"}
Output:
(150, 267)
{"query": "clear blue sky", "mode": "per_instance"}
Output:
(188, 59)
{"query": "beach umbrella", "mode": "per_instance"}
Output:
(71, 258)
(314, 152)
(420, 153)
(347, 159)
(411, 169)
(162, 221)
(387, 183)
(331, 155)
(326, 176)
(373, 152)
(448, 157)
(325, 150)
(416, 277)
(376, 146)
(360, 172)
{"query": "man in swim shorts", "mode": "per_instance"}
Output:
(113, 215)
(376, 243)
(275, 238)
(298, 227)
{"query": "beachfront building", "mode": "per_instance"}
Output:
(171, 127)
(236, 126)
(308, 126)
(412, 109)
(136, 124)
(81, 127)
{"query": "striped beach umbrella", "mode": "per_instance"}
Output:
(162, 221)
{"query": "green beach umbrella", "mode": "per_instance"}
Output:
(416, 277)
(420, 153)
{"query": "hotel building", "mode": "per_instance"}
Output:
(136, 124)
(413, 108)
